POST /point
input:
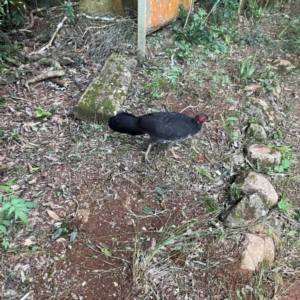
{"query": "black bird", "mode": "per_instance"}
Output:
(162, 127)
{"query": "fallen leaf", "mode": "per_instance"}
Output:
(83, 215)
(61, 240)
(74, 296)
(252, 87)
(53, 215)
(33, 181)
(52, 205)
(28, 242)
(126, 202)
(282, 62)
(30, 168)
(15, 187)
(153, 242)
(51, 157)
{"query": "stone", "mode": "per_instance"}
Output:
(237, 159)
(94, 7)
(261, 111)
(257, 132)
(252, 182)
(106, 93)
(267, 157)
(257, 250)
(246, 212)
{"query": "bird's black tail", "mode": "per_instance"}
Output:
(125, 123)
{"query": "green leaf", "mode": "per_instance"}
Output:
(15, 201)
(23, 217)
(279, 169)
(3, 229)
(283, 204)
(292, 233)
(232, 119)
(105, 251)
(6, 206)
(39, 113)
(6, 222)
(230, 100)
(73, 236)
(90, 244)
(31, 204)
(148, 210)
(285, 163)
(57, 234)
(6, 188)
(12, 208)
(17, 214)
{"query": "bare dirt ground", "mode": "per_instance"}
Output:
(123, 207)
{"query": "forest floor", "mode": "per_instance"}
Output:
(134, 221)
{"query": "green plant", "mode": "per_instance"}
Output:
(285, 161)
(254, 9)
(234, 191)
(297, 215)
(282, 204)
(173, 74)
(267, 78)
(68, 10)
(246, 69)
(15, 207)
(203, 172)
(251, 38)
(210, 204)
(156, 82)
(14, 134)
(11, 13)
(196, 33)
(12, 208)
(5, 243)
(42, 114)
(290, 34)
(228, 121)
(277, 135)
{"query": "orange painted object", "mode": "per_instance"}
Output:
(161, 12)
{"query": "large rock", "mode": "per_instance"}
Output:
(252, 182)
(261, 111)
(267, 157)
(246, 212)
(106, 93)
(93, 7)
(257, 132)
(257, 250)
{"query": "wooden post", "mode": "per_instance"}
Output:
(142, 29)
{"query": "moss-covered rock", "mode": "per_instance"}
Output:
(257, 132)
(94, 7)
(246, 212)
(107, 92)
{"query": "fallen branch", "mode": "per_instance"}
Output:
(59, 26)
(58, 72)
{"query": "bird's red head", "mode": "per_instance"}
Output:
(202, 118)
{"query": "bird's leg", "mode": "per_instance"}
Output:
(172, 151)
(174, 154)
(147, 152)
